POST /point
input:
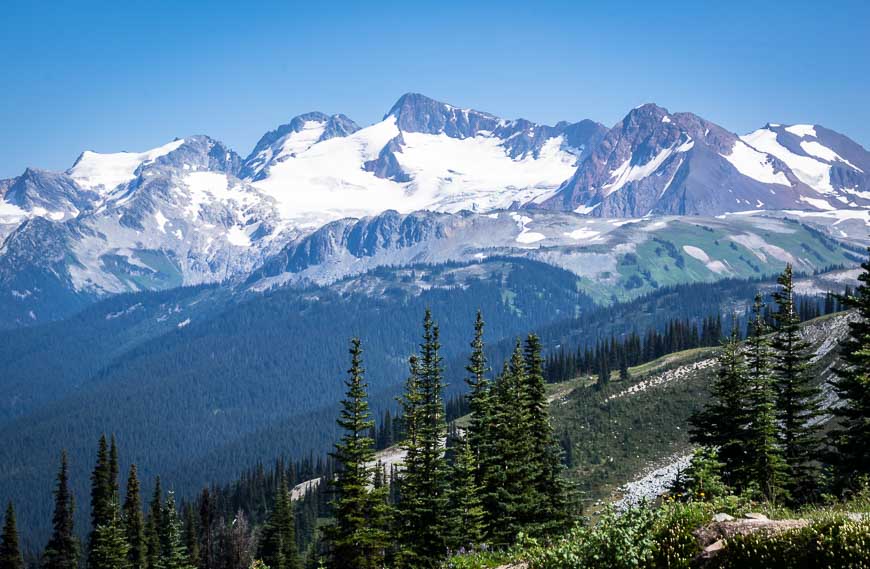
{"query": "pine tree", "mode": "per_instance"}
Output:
(766, 468)
(550, 506)
(423, 505)
(479, 401)
(206, 523)
(466, 510)
(154, 528)
(852, 439)
(62, 551)
(101, 495)
(350, 536)
(191, 537)
(172, 550)
(724, 423)
(509, 494)
(799, 398)
(278, 541)
(109, 549)
(10, 551)
(134, 523)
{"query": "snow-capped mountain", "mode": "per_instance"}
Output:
(657, 162)
(831, 164)
(423, 155)
(193, 211)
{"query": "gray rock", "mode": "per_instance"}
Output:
(721, 517)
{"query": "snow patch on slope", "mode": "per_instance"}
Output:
(754, 164)
(94, 170)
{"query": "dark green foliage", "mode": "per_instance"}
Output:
(278, 538)
(109, 549)
(10, 550)
(358, 537)
(173, 553)
(62, 551)
(509, 490)
(702, 479)
(479, 402)
(852, 439)
(549, 511)
(799, 397)
(154, 529)
(466, 523)
(422, 512)
(191, 537)
(765, 465)
(724, 423)
(134, 522)
(106, 524)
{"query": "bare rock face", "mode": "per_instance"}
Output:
(714, 537)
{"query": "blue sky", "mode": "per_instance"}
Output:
(134, 75)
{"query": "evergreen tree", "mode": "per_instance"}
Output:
(134, 523)
(701, 480)
(10, 551)
(101, 495)
(154, 529)
(278, 540)
(510, 493)
(852, 439)
(172, 550)
(62, 551)
(191, 537)
(423, 505)
(766, 466)
(350, 537)
(799, 398)
(206, 523)
(724, 423)
(550, 506)
(109, 549)
(466, 510)
(479, 402)
(114, 472)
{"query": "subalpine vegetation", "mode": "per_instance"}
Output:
(764, 446)
(493, 491)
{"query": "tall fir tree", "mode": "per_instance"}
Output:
(550, 507)
(353, 539)
(479, 401)
(172, 550)
(509, 493)
(114, 473)
(766, 467)
(423, 505)
(154, 529)
(62, 551)
(278, 540)
(799, 397)
(10, 550)
(852, 438)
(191, 537)
(101, 495)
(109, 549)
(724, 422)
(134, 522)
(466, 525)
(206, 525)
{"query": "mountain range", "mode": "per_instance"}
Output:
(321, 198)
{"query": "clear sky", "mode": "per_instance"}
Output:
(132, 75)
